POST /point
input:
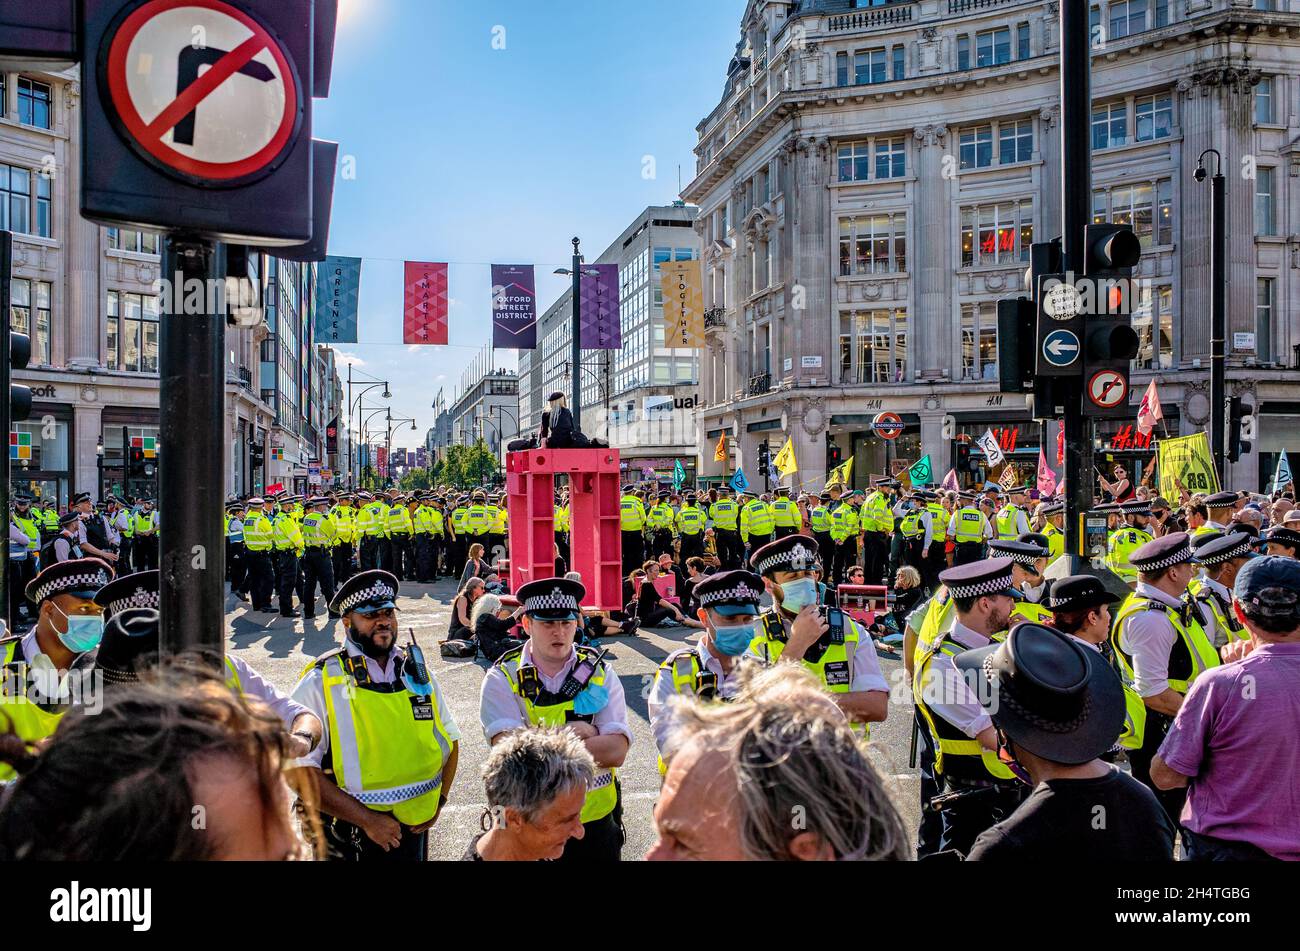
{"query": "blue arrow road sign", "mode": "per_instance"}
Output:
(1061, 348)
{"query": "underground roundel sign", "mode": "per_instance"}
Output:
(202, 90)
(888, 425)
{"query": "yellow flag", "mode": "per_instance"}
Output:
(720, 453)
(785, 461)
(1186, 462)
(682, 283)
(841, 474)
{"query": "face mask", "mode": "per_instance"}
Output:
(591, 701)
(733, 641)
(84, 632)
(797, 595)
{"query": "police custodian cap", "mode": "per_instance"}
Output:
(1225, 548)
(80, 577)
(1164, 552)
(1221, 500)
(1079, 593)
(730, 592)
(1022, 553)
(139, 590)
(552, 599)
(367, 591)
(980, 578)
(792, 553)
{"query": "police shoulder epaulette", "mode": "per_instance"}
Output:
(320, 662)
(586, 652)
(512, 654)
(12, 638)
(676, 655)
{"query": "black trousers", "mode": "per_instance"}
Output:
(661, 542)
(1208, 848)
(875, 556)
(964, 819)
(424, 557)
(846, 556)
(403, 557)
(286, 580)
(931, 829)
(692, 546)
(124, 550)
(826, 548)
(633, 552)
(20, 573)
(456, 556)
(145, 552)
(1139, 762)
(260, 579)
(236, 571)
(385, 554)
(347, 843)
(783, 530)
(344, 568)
(602, 840)
(963, 553)
(562, 543)
(369, 557)
(317, 569)
(756, 542)
(730, 551)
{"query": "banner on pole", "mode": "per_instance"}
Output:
(992, 450)
(683, 304)
(1046, 477)
(920, 473)
(841, 474)
(602, 327)
(425, 318)
(1186, 462)
(338, 289)
(738, 482)
(1283, 474)
(785, 462)
(950, 483)
(514, 307)
(679, 475)
(720, 451)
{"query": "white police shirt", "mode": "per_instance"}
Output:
(257, 687)
(866, 665)
(310, 692)
(946, 691)
(1148, 637)
(501, 709)
(662, 691)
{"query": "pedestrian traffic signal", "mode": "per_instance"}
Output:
(833, 456)
(1241, 427)
(1016, 345)
(18, 346)
(1110, 343)
(764, 453)
(135, 463)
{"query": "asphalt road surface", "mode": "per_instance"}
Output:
(280, 648)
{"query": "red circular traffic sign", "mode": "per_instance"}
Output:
(888, 425)
(1107, 389)
(202, 90)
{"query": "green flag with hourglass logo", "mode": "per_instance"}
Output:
(921, 474)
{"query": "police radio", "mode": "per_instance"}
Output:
(581, 675)
(415, 673)
(835, 621)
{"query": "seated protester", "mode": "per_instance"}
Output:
(536, 783)
(695, 573)
(494, 584)
(1057, 707)
(907, 596)
(462, 610)
(666, 567)
(654, 610)
(475, 566)
(738, 771)
(729, 608)
(494, 625)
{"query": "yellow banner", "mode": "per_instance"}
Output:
(785, 461)
(1186, 463)
(683, 304)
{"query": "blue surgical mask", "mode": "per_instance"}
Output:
(591, 701)
(84, 632)
(733, 641)
(797, 595)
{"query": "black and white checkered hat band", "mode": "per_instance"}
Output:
(741, 593)
(1019, 557)
(376, 592)
(139, 599)
(93, 579)
(798, 558)
(979, 588)
(1236, 551)
(557, 600)
(1168, 561)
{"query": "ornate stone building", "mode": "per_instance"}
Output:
(874, 175)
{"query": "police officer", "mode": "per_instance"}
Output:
(258, 544)
(49, 519)
(1161, 645)
(400, 529)
(458, 540)
(1012, 522)
(690, 524)
(236, 569)
(477, 523)
(632, 518)
(22, 569)
(659, 523)
(756, 524)
(1054, 529)
(561, 516)
(969, 530)
(319, 533)
(1124, 541)
(844, 533)
(345, 549)
(819, 521)
(729, 608)
(551, 682)
(979, 790)
(144, 537)
(425, 552)
(785, 514)
(1028, 560)
(876, 521)
(1283, 541)
(69, 626)
(65, 546)
(288, 547)
(387, 759)
(1220, 507)
(725, 516)
(829, 643)
(1220, 560)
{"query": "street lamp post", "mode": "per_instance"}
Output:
(356, 405)
(1218, 303)
(577, 272)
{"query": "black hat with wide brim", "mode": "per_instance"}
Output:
(1049, 694)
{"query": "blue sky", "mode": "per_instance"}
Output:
(475, 155)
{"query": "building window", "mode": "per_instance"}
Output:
(979, 341)
(873, 346)
(898, 69)
(1264, 319)
(30, 314)
(1015, 141)
(1127, 17)
(1022, 41)
(4, 94)
(963, 52)
(1155, 116)
(841, 69)
(141, 242)
(868, 67)
(1146, 208)
(1153, 320)
(1265, 218)
(993, 47)
(977, 147)
(1109, 125)
(1096, 31)
(855, 161)
(15, 199)
(997, 234)
(133, 333)
(891, 158)
(33, 103)
(873, 244)
(1264, 101)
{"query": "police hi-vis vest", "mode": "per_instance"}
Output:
(1123, 543)
(690, 679)
(819, 519)
(724, 513)
(631, 514)
(1192, 653)
(257, 532)
(690, 520)
(18, 714)
(831, 658)
(970, 525)
(235, 534)
(756, 519)
(875, 515)
(1225, 618)
(387, 745)
(1008, 520)
(540, 707)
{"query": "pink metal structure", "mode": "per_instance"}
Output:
(594, 531)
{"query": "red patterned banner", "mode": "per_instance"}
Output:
(425, 320)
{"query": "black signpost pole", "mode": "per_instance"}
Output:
(191, 483)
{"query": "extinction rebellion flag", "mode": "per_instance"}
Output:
(425, 319)
(514, 307)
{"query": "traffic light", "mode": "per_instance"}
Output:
(1016, 345)
(963, 458)
(1110, 343)
(17, 347)
(833, 456)
(1241, 429)
(135, 463)
(764, 453)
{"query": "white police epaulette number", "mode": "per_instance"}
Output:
(837, 673)
(422, 708)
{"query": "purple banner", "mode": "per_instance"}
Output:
(602, 328)
(514, 307)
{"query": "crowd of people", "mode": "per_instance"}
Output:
(1153, 692)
